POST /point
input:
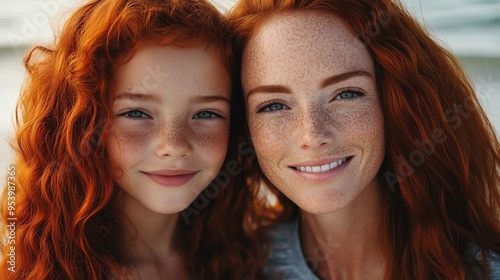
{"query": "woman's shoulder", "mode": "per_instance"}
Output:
(285, 260)
(282, 238)
(491, 260)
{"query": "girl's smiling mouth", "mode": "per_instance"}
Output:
(171, 178)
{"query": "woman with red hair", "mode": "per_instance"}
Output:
(123, 127)
(373, 140)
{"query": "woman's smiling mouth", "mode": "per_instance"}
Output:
(322, 168)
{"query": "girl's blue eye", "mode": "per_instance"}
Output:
(347, 95)
(272, 107)
(206, 115)
(135, 114)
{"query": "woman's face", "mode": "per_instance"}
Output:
(313, 110)
(170, 128)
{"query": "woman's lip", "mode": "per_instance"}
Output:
(319, 162)
(322, 177)
(171, 180)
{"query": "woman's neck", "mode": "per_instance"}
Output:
(346, 244)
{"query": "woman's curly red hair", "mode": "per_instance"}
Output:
(68, 226)
(441, 169)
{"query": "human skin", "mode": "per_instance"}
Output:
(171, 110)
(296, 121)
(317, 127)
(168, 140)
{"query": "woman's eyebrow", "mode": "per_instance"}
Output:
(345, 76)
(328, 81)
(269, 89)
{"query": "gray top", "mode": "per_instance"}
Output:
(286, 261)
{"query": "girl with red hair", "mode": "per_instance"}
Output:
(373, 140)
(123, 127)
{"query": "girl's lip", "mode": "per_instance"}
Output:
(171, 172)
(322, 177)
(171, 179)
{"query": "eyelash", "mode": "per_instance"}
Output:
(217, 116)
(358, 93)
(266, 105)
(125, 114)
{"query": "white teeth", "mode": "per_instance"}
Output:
(325, 167)
(322, 168)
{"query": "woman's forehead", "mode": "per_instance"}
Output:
(301, 42)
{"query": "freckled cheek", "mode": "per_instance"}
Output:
(124, 145)
(269, 135)
(365, 122)
(212, 142)
(365, 129)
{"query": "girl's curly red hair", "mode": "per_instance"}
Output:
(68, 226)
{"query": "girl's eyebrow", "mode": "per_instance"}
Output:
(138, 97)
(209, 98)
(156, 98)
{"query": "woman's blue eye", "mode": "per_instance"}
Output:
(272, 107)
(135, 114)
(206, 115)
(347, 95)
(275, 107)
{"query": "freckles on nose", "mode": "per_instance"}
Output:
(321, 118)
(179, 133)
(175, 131)
(316, 119)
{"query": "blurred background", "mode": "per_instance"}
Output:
(469, 28)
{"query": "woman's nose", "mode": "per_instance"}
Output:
(315, 127)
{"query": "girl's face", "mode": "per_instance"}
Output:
(313, 110)
(170, 128)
